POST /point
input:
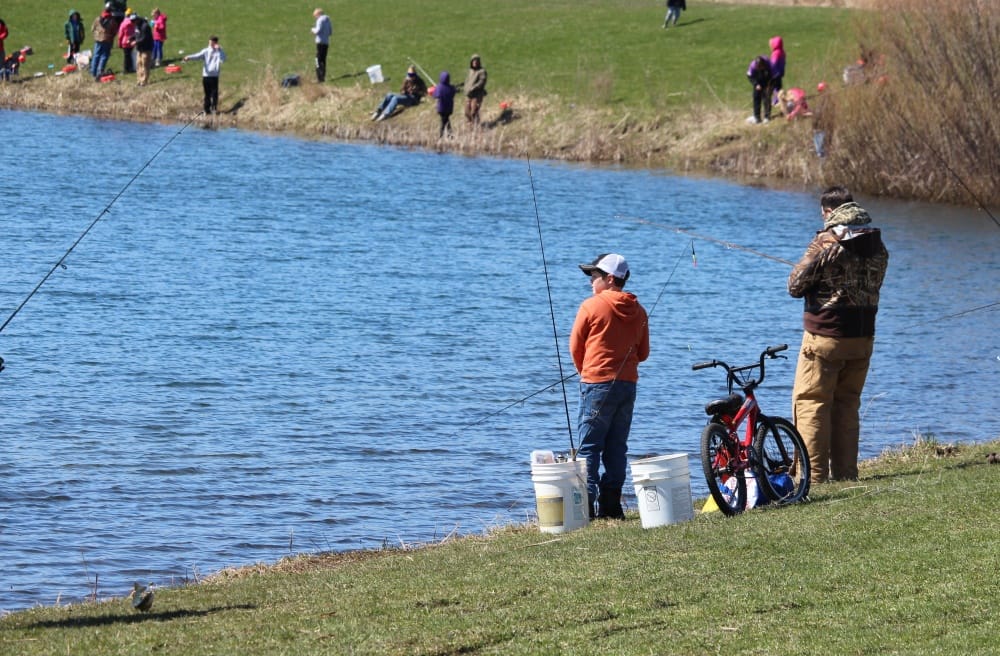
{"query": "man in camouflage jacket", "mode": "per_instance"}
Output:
(839, 278)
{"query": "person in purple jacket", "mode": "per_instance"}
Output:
(759, 74)
(444, 93)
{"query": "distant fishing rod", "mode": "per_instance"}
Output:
(552, 312)
(431, 81)
(60, 262)
(689, 233)
(955, 175)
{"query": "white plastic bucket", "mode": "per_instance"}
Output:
(561, 495)
(663, 489)
(375, 74)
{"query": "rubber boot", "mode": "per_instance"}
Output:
(609, 502)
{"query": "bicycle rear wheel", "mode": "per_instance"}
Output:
(719, 457)
(782, 461)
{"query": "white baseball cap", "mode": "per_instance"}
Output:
(609, 263)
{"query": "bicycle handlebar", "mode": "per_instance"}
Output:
(769, 352)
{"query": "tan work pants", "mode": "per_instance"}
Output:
(825, 400)
(142, 61)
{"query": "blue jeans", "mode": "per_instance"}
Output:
(605, 421)
(100, 58)
(388, 104)
(673, 13)
(157, 51)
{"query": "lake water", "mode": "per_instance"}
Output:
(272, 346)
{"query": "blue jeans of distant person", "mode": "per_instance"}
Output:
(391, 100)
(605, 421)
(100, 58)
(673, 13)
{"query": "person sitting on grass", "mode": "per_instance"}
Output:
(792, 103)
(413, 90)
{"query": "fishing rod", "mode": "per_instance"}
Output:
(689, 233)
(562, 380)
(107, 208)
(431, 82)
(552, 312)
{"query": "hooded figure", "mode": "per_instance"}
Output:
(74, 35)
(777, 62)
(444, 92)
(475, 89)
(839, 278)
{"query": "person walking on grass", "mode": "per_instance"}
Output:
(212, 57)
(839, 278)
(323, 29)
(475, 90)
(674, 9)
(610, 337)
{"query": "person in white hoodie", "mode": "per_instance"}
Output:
(323, 29)
(212, 56)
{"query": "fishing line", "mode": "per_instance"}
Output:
(567, 377)
(552, 312)
(107, 208)
(727, 244)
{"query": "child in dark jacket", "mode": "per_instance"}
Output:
(444, 92)
(74, 36)
(759, 74)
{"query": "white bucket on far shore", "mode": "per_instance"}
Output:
(375, 74)
(561, 495)
(663, 489)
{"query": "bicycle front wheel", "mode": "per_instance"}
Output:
(720, 460)
(782, 461)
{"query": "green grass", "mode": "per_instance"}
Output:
(901, 562)
(591, 52)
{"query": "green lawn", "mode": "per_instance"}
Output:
(903, 561)
(591, 52)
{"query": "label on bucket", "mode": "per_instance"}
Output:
(550, 511)
(651, 498)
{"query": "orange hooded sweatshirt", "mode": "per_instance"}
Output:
(610, 337)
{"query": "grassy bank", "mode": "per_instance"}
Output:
(588, 81)
(595, 81)
(901, 562)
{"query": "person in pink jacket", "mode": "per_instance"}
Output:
(126, 41)
(159, 22)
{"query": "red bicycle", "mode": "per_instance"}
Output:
(771, 454)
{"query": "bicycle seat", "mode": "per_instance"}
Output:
(726, 406)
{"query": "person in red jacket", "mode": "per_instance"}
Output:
(610, 337)
(3, 35)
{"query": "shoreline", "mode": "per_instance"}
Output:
(711, 141)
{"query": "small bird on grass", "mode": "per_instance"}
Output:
(142, 597)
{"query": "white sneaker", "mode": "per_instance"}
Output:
(375, 115)
(752, 120)
(767, 120)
